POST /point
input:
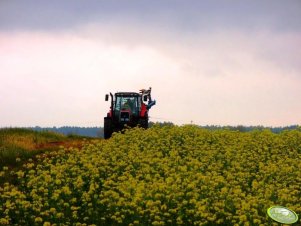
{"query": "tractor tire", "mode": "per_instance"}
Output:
(143, 123)
(107, 129)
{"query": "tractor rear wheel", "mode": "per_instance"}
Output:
(143, 123)
(107, 129)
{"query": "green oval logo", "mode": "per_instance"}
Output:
(282, 215)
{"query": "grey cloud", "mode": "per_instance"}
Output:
(185, 16)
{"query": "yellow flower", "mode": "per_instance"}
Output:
(52, 210)
(38, 220)
(58, 181)
(4, 221)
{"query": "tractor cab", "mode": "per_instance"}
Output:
(126, 107)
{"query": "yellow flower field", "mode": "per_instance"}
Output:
(172, 175)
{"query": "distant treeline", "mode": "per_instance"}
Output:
(251, 128)
(98, 131)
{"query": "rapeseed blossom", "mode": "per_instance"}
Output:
(161, 176)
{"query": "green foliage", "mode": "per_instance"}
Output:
(166, 175)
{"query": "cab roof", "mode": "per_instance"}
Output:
(127, 94)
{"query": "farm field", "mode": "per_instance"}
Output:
(21, 144)
(170, 175)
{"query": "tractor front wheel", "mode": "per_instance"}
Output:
(107, 129)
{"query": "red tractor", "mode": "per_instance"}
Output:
(127, 109)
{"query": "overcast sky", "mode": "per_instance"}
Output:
(224, 62)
